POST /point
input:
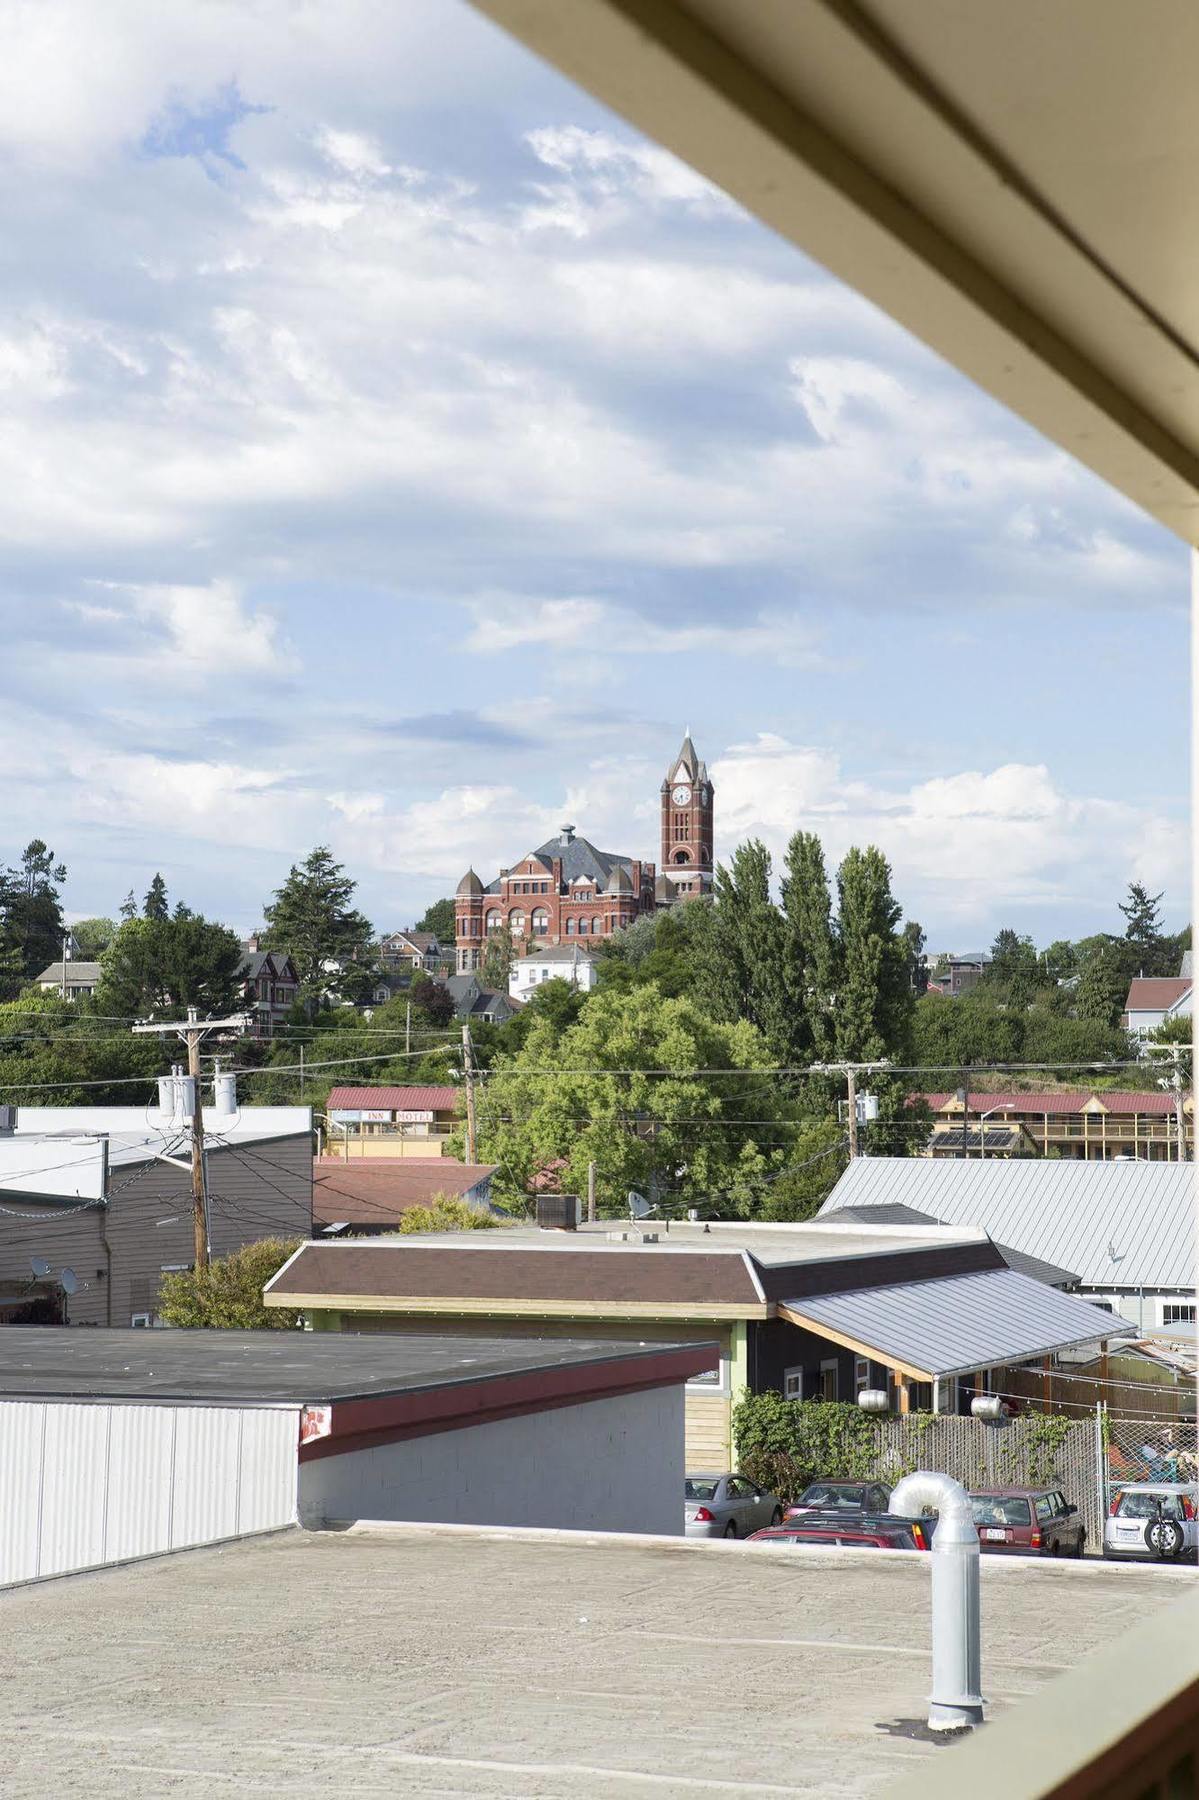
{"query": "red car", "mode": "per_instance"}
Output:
(861, 1531)
(1032, 1521)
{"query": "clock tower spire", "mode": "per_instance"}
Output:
(686, 862)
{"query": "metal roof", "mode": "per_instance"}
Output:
(959, 1323)
(1120, 1223)
(393, 1099)
(887, 1214)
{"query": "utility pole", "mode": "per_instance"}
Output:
(408, 1029)
(193, 1031)
(301, 1068)
(468, 1074)
(851, 1071)
(591, 1193)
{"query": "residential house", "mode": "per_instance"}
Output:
(557, 962)
(413, 950)
(1089, 1125)
(1154, 999)
(97, 1202)
(269, 984)
(391, 1121)
(815, 1311)
(952, 974)
(368, 1196)
(472, 1000)
(1126, 1227)
(72, 978)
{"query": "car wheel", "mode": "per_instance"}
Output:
(776, 1517)
(730, 1529)
(1080, 1543)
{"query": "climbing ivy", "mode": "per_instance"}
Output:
(785, 1444)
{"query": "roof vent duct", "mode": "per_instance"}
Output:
(8, 1120)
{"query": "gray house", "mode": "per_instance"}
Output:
(96, 1203)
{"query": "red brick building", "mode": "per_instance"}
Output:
(566, 889)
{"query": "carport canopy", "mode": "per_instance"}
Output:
(934, 1330)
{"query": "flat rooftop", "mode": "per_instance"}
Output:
(423, 1661)
(301, 1367)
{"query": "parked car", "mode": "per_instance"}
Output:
(862, 1531)
(727, 1506)
(1028, 1521)
(1152, 1519)
(841, 1496)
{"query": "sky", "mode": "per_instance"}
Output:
(400, 453)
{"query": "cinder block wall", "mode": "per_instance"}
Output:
(606, 1465)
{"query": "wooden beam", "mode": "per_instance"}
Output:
(458, 1306)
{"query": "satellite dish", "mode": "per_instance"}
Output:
(639, 1206)
(40, 1267)
(69, 1281)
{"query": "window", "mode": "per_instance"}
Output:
(682, 856)
(141, 1320)
(1178, 1314)
(597, 927)
(541, 920)
(793, 1384)
(1044, 1510)
(582, 927)
(494, 921)
(516, 920)
(828, 1379)
(712, 1379)
(570, 927)
(740, 1489)
(861, 1374)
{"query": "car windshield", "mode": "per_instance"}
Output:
(988, 1510)
(696, 1489)
(1144, 1506)
(831, 1493)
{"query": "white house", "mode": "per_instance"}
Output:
(1154, 999)
(557, 962)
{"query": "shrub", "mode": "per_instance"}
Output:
(448, 1212)
(227, 1295)
(785, 1444)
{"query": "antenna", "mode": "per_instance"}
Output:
(40, 1267)
(639, 1206)
(69, 1281)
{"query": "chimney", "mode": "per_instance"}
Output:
(568, 833)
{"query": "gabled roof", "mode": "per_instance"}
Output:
(1155, 993)
(895, 1214)
(1109, 1100)
(579, 857)
(556, 953)
(75, 972)
(1120, 1223)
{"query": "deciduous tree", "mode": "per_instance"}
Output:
(158, 967)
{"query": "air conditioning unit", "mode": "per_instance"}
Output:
(8, 1120)
(559, 1212)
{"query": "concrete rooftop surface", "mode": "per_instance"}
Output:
(812, 1241)
(427, 1661)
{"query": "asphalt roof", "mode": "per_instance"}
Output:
(286, 1367)
(378, 1190)
(1120, 1223)
(960, 1323)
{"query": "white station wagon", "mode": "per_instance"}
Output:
(1154, 1519)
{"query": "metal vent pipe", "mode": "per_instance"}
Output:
(955, 1701)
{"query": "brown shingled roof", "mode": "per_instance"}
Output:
(380, 1190)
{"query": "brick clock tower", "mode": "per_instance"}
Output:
(686, 861)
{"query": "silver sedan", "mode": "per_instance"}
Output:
(727, 1506)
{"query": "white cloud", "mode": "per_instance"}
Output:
(182, 632)
(509, 622)
(963, 847)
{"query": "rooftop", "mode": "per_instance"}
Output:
(393, 1099)
(377, 1190)
(379, 1660)
(288, 1367)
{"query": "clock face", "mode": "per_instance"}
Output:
(681, 796)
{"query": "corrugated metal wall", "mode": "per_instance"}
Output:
(82, 1484)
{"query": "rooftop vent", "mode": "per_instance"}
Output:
(559, 1212)
(568, 834)
(8, 1120)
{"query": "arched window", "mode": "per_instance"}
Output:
(582, 926)
(682, 856)
(516, 920)
(597, 926)
(570, 927)
(541, 921)
(494, 921)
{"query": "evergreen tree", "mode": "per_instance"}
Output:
(809, 950)
(874, 997)
(128, 907)
(1103, 984)
(154, 906)
(312, 919)
(31, 922)
(1154, 953)
(157, 967)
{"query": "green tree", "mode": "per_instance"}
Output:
(809, 950)
(156, 967)
(227, 1295)
(1103, 984)
(662, 947)
(740, 973)
(439, 919)
(93, 937)
(311, 917)
(661, 1097)
(155, 906)
(128, 906)
(1014, 968)
(31, 921)
(1155, 954)
(1060, 961)
(495, 964)
(874, 996)
(818, 1159)
(914, 943)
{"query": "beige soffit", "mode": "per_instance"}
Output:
(1013, 182)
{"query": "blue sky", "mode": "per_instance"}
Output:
(400, 453)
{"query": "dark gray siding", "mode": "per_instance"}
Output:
(255, 1191)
